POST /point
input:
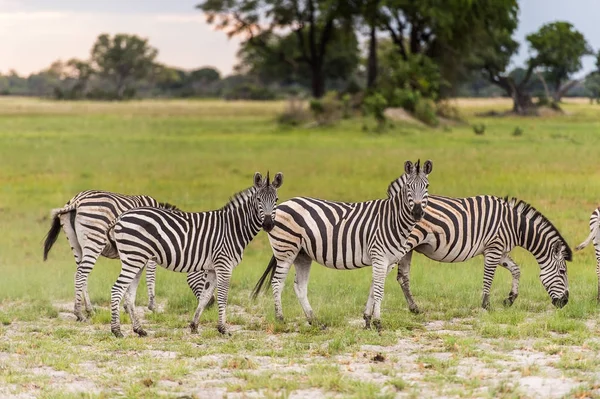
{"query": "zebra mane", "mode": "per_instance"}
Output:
(166, 205)
(396, 185)
(528, 211)
(238, 199)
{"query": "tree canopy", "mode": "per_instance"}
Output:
(123, 59)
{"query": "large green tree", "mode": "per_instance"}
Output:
(123, 59)
(557, 49)
(446, 32)
(312, 21)
(339, 64)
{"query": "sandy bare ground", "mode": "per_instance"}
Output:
(444, 359)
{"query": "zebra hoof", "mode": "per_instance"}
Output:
(414, 309)
(223, 330)
(140, 331)
(377, 324)
(117, 333)
(80, 317)
(367, 322)
(279, 318)
(151, 306)
(193, 328)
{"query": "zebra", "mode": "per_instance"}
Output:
(595, 237)
(458, 229)
(187, 242)
(85, 219)
(345, 236)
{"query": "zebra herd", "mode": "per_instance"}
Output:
(144, 233)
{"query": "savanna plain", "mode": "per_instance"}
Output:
(196, 154)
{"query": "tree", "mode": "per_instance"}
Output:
(557, 50)
(80, 72)
(312, 21)
(446, 32)
(123, 60)
(205, 75)
(339, 64)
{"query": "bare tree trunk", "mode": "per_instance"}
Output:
(558, 95)
(372, 62)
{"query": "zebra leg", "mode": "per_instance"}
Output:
(150, 283)
(129, 271)
(597, 250)
(513, 268)
(88, 260)
(130, 304)
(368, 309)
(223, 273)
(302, 265)
(380, 271)
(89, 308)
(281, 271)
(403, 279)
(491, 260)
(67, 226)
(203, 284)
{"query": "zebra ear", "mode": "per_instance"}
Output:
(427, 167)
(257, 179)
(408, 167)
(277, 180)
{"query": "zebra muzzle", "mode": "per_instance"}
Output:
(268, 224)
(562, 301)
(417, 212)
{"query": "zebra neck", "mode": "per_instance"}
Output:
(244, 223)
(532, 234)
(400, 214)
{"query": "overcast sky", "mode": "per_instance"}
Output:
(34, 33)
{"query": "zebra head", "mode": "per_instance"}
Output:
(266, 198)
(554, 273)
(415, 189)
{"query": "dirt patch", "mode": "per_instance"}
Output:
(401, 115)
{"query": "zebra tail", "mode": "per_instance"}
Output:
(593, 232)
(54, 228)
(110, 242)
(270, 270)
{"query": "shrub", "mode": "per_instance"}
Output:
(517, 132)
(248, 91)
(295, 113)
(326, 110)
(446, 110)
(425, 112)
(479, 128)
(405, 98)
(375, 104)
(346, 106)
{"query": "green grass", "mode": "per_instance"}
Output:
(195, 154)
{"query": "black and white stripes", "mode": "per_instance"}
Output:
(595, 237)
(187, 242)
(458, 229)
(345, 236)
(85, 220)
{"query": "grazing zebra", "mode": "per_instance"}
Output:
(186, 242)
(345, 236)
(85, 219)
(595, 237)
(458, 229)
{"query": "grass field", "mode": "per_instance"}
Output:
(195, 154)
